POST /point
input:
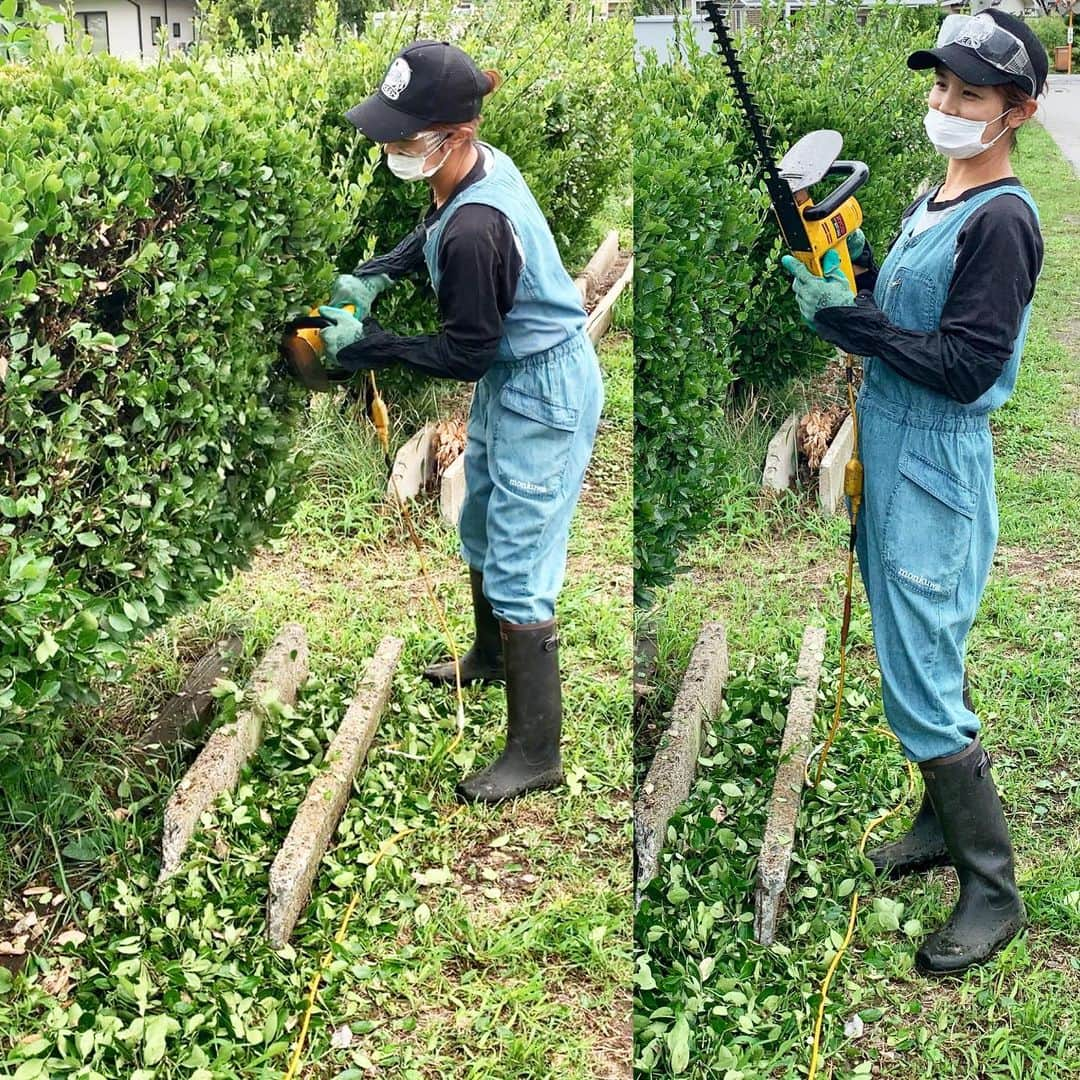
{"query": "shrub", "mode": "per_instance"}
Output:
(157, 225)
(150, 225)
(1051, 30)
(734, 320)
(694, 205)
(22, 26)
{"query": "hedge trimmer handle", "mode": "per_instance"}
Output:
(830, 222)
(857, 174)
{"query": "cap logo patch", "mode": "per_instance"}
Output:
(976, 32)
(397, 78)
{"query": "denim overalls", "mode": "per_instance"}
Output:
(534, 414)
(929, 522)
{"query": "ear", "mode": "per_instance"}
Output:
(1022, 112)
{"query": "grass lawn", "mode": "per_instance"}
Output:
(491, 942)
(712, 1003)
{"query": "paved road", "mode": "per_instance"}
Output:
(1059, 110)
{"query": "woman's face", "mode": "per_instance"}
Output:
(427, 145)
(954, 97)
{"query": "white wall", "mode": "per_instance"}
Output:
(657, 32)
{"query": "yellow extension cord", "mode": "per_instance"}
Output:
(380, 419)
(853, 488)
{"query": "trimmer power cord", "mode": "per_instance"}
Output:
(815, 1052)
(853, 489)
(380, 419)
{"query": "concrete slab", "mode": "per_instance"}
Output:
(781, 459)
(602, 261)
(671, 774)
(217, 768)
(186, 715)
(452, 491)
(1058, 110)
(600, 319)
(588, 281)
(582, 284)
(775, 858)
(646, 657)
(831, 472)
(297, 862)
(414, 463)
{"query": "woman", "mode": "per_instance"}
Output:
(942, 332)
(513, 323)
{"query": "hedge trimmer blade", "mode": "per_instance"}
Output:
(787, 213)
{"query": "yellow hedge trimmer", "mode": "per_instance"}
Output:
(302, 346)
(810, 229)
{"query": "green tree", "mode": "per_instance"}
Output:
(286, 20)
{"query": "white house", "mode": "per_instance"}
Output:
(131, 28)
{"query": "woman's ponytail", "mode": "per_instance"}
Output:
(495, 80)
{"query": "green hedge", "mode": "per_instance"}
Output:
(157, 227)
(695, 206)
(713, 307)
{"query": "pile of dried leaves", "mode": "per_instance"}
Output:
(816, 431)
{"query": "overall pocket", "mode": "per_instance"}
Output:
(929, 523)
(910, 299)
(533, 438)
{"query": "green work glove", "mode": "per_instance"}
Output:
(814, 293)
(344, 330)
(856, 244)
(359, 291)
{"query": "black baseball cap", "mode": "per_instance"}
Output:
(428, 82)
(967, 58)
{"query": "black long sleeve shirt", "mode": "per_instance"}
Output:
(999, 254)
(480, 263)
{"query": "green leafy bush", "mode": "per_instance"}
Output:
(22, 25)
(153, 224)
(1051, 30)
(157, 227)
(719, 307)
(694, 206)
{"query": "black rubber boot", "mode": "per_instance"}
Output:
(989, 912)
(922, 847)
(483, 662)
(531, 759)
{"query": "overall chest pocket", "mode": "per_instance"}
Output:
(929, 524)
(533, 438)
(911, 300)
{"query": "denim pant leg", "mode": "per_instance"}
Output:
(472, 524)
(924, 563)
(543, 429)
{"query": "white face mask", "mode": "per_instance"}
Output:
(955, 137)
(411, 166)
